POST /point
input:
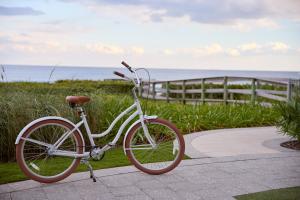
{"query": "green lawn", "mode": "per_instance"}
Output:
(10, 172)
(279, 194)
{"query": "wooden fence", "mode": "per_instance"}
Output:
(220, 89)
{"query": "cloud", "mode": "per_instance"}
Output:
(212, 49)
(263, 48)
(54, 22)
(251, 48)
(37, 44)
(137, 50)
(104, 48)
(279, 46)
(214, 11)
(140, 13)
(12, 11)
(32, 43)
(41, 43)
(207, 50)
(266, 22)
(284, 9)
(250, 24)
(233, 52)
(114, 49)
(169, 52)
(203, 11)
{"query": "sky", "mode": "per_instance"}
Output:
(194, 34)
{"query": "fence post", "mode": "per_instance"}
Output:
(203, 90)
(153, 90)
(167, 91)
(231, 96)
(289, 90)
(225, 95)
(253, 93)
(177, 88)
(193, 94)
(183, 91)
(141, 89)
(257, 84)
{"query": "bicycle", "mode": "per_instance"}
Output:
(50, 148)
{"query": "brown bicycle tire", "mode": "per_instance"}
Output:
(146, 170)
(19, 152)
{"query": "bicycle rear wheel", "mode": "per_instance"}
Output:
(33, 155)
(163, 158)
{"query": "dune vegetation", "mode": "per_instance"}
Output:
(22, 102)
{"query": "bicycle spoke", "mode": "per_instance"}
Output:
(160, 157)
(35, 152)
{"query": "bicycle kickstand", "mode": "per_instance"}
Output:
(86, 162)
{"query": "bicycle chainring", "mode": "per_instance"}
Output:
(96, 153)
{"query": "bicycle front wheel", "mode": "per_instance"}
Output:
(34, 157)
(167, 153)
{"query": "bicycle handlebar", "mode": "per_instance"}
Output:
(127, 66)
(119, 74)
(136, 81)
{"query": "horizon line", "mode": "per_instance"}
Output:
(93, 66)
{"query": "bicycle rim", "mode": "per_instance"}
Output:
(165, 156)
(35, 160)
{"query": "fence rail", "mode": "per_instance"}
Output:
(221, 89)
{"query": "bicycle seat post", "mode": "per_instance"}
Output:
(80, 111)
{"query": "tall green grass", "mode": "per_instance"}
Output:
(20, 103)
(66, 87)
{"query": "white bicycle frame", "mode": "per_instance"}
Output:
(54, 149)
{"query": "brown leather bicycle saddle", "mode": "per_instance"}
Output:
(77, 100)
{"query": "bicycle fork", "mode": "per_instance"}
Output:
(142, 120)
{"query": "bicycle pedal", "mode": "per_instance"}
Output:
(99, 158)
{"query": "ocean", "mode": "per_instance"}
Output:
(51, 74)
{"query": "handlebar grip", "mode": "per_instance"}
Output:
(126, 65)
(119, 74)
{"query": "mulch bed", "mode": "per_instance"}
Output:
(295, 144)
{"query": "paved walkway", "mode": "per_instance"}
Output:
(205, 177)
(233, 142)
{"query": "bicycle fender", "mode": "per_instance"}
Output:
(42, 119)
(132, 125)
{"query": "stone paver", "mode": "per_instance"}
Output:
(61, 191)
(126, 191)
(133, 197)
(149, 184)
(36, 194)
(5, 196)
(162, 193)
(201, 178)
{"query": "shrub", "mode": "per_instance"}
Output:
(289, 122)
